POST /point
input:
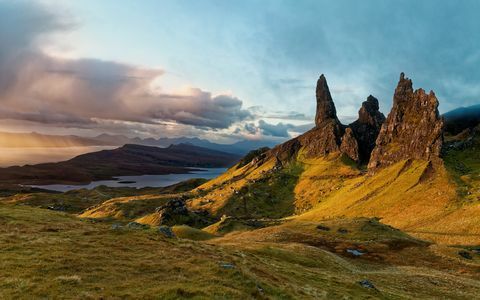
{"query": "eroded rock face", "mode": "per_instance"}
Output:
(325, 107)
(325, 138)
(367, 127)
(349, 145)
(413, 128)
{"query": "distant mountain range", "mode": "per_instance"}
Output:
(128, 160)
(23, 140)
(462, 118)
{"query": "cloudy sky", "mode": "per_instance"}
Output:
(224, 70)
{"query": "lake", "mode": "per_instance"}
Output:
(139, 181)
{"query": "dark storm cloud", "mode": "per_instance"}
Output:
(362, 46)
(278, 130)
(40, 88)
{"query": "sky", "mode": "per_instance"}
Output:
(224, 70)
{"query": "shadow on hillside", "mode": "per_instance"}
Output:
(271, 196)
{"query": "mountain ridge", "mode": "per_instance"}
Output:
(33, 139)
(128, 160)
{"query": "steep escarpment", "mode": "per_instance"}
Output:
(413, 129)
(308, 179)
(326, 137)
(356, 140)
(366, 128)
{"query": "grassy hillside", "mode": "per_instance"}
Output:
(415, 196)
(46, 254)
(77, 201)
(303, 228)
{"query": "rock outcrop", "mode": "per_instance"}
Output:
(325, 107)
(176, 211)
(325, 138)
(349, 145)
(366, 128)
(413, 129)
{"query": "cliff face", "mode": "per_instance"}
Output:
(326, 111)
(350, 145)
(367, 128)
(325, 137)
(413, 128)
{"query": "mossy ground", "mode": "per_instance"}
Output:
(464, 167)
(270, 196)
(47, 254)
(289, 237)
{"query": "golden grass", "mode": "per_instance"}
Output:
(401, 196)
(215, 194)
(190, 233)
(127, 208)
(47, 254)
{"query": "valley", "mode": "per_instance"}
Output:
(382, 208)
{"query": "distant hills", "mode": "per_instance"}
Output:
(462, 118)
(24, 140)
(128, 160)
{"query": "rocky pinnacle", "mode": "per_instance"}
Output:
(325, 106)
(413, 129)
(366, 128)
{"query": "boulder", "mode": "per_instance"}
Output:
(166, 231)
(136, 225)
(175, 212)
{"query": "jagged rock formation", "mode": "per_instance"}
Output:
(325, 107)
(366, 128)
(349, 145)
(329, 135)
(413, 128)
(324, 138)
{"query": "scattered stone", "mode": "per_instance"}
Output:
(56, 208)
(228, 266)
(166, 231)
(324, 228)
(175, 212)
(465, 254)
(367, 284)
(342, 230)
(355, 252)
(116, 226)
(136, 225)
(260, 289)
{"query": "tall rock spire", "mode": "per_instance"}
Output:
(413, 128)
(325, 106)
(325, 138)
